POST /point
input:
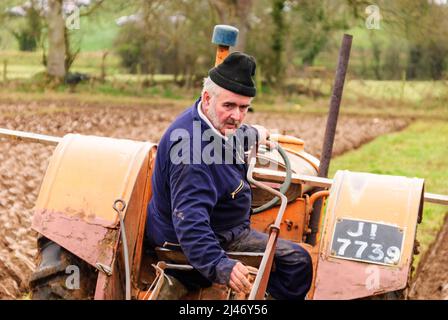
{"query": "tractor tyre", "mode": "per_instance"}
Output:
(60, 275)
(393, 295)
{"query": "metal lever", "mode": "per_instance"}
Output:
(119, 206)
(261, 281)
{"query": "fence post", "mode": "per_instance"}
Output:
(5, 70)
(103, 66)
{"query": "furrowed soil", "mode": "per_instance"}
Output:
(431, 280)
(22, 165)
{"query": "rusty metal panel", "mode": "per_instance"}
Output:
(293, 226)
(89, 240)
(86, 174)
(372, 202)
(143, 190)
(110, 287)
(215, 292)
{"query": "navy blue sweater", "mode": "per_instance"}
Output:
(198, 204)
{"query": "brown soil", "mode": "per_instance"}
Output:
(431, 280)
(22, 165)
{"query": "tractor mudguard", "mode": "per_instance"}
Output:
(368, 235)
(85, 176)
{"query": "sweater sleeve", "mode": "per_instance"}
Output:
(193, 197)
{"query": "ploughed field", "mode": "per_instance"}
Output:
(431, 280)
(22, 165)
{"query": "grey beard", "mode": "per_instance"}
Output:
(211, 114)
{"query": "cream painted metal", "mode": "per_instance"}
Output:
(301, 162)
(85, 176)
(389, 200)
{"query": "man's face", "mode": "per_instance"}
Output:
(226, 110)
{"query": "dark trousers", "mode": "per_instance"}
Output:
(293, 272)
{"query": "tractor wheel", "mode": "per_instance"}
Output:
(61, 275)
(393, 295)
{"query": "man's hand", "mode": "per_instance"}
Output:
(263, 136)
(238, 279)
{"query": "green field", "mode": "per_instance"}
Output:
(421, 151)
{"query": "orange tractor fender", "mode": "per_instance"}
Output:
(368, 235)
(85, 176)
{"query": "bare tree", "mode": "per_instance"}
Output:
(60, 55)
(236, 13)
(243, 10)
(56, 67)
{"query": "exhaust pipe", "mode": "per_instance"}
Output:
(330, 131)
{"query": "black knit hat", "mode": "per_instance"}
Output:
(235, 74)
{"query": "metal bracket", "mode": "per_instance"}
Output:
(103, 268)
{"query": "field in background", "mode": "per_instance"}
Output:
(305, 94)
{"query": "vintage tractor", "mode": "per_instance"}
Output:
(90, 214)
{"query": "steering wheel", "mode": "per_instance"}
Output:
(285, 185)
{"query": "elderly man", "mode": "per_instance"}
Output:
(201, 197)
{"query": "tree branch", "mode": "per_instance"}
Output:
(92, 9)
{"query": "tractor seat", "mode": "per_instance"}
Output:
(171, 252)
